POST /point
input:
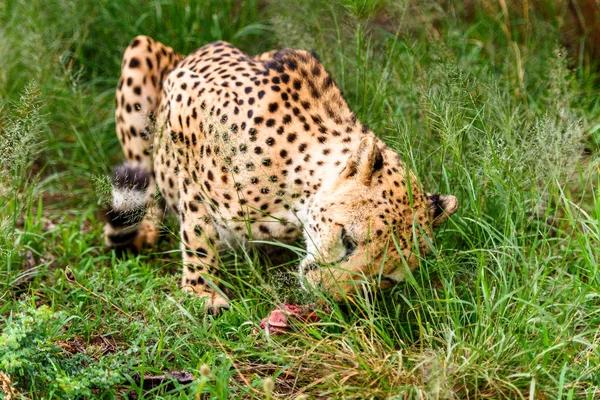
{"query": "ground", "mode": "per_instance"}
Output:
(483, 100)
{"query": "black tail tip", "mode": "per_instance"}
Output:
(118, 218)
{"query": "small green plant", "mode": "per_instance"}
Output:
(31, 355)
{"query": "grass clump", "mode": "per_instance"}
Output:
(479, 99)
(21, 139)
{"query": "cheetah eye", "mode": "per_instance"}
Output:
(348, 243)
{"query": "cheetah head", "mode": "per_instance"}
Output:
(368, 223)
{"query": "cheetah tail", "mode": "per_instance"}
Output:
(130, 199)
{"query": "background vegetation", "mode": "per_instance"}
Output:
(497, 104)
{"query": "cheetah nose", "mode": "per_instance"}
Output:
(311, 267)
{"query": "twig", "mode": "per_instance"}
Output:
(6, 387)
(70, 275)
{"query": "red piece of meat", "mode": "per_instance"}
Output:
(278, 321)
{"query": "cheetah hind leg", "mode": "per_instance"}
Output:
(134, 214)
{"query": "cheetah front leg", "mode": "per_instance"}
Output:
(199, 244)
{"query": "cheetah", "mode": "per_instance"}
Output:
(261, 148)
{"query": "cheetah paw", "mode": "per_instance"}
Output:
(213, 301)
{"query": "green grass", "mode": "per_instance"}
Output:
(484, 105)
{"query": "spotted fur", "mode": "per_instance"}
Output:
(265, 148)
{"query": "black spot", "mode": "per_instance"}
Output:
(134, 63)
(316, 70)
(201, 252)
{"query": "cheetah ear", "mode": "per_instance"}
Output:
(364, 162)
(441, 207)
